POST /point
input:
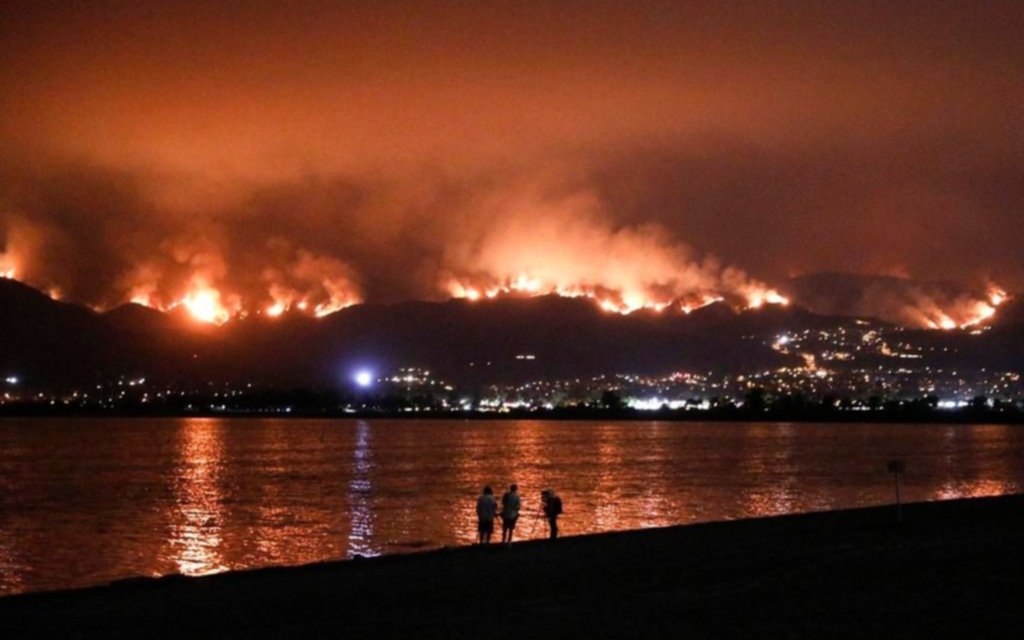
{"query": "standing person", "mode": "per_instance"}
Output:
(486, 509)
(510, 504)
(552, 507)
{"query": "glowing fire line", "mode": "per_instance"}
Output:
(612, 302)
(207, 304)
(979, 312)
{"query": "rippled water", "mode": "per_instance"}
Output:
(87, 501)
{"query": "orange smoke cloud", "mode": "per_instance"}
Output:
(568, 246)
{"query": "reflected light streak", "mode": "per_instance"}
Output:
(360, 494)
(772, 460)
(196, 537)
(528, 446)
(11, 580)
(608, 513)
(977, 488)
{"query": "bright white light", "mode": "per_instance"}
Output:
(363, 378)
(11, 380)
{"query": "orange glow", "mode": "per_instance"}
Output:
(964, 312)
(327, 308)
(204, 303)
(690, 306)
(996, 296)
(276, 309)
(7, 269)
(291, 300)
(757, 298)
(207, 304)
(309, 283)
(625, 302)
(551, 150)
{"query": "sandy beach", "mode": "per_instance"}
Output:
(951, 569)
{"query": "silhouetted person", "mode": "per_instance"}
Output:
(510, 504)
(486, 509)
(551, 504)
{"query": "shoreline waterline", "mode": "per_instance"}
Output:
(846, 571)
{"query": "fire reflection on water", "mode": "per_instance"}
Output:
(10, 581)
(531, 461)
(197, 496)
(964, 476)
(607, 513)
(195, 535)
(360, 494)
(769, 471)
(974, 489)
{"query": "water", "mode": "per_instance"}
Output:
(84, 502)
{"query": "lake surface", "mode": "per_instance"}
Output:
(83, 502)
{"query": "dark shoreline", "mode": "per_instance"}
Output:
(961, 417)
(952, 569)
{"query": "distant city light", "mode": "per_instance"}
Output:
(363, 378)
(11, 379)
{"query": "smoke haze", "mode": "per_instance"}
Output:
(279, 154)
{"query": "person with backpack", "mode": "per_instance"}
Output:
(510, 505)
(486, 509)
(551, 504)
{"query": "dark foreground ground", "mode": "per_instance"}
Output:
(953, 569)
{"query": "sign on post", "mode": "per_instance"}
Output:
(897, 468)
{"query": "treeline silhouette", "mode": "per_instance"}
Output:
(757, 405)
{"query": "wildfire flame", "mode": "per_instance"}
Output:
(568, 244)
(7, 270)
(204, 303)
(285, 299)
(308, 283)
(966, 313)
(280, 307)
(621, 270)
(758, 298)
(207, 303)
(623, 302)
(996, 296)
(295, 280)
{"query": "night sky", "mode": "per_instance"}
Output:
(321, 152)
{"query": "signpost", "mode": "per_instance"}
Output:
(896, 468)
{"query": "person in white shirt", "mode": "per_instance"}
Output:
(486, 510)
(510, 505)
